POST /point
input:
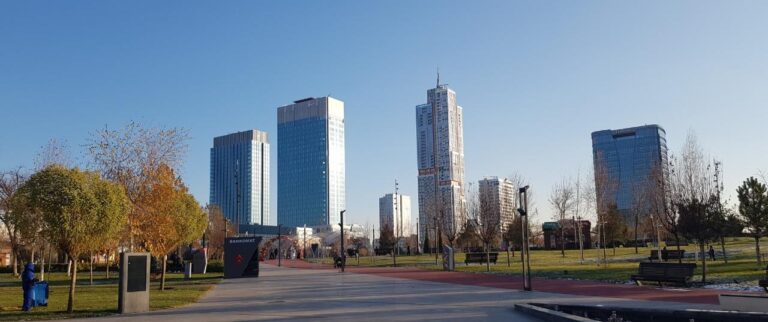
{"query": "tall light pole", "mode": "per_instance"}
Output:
(525, 250)
(398, 227)
(343, 255)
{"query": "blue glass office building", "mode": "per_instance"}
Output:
(624, 161)
(310, 163)
(240, 177)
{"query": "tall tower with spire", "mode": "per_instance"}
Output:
(440, 142)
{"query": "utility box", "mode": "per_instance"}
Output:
(133, 290)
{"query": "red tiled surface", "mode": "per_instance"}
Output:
(573, 287)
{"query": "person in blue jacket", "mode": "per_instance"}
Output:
(27, 283)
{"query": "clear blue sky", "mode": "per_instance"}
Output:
(535, 78)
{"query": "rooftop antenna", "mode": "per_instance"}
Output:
(438, 78)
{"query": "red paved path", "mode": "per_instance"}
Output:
(573, 287)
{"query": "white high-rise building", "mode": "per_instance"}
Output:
(499, 194)
(440, 136)
(240, 177)
(395, 212)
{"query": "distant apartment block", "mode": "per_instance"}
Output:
(395, 212)
(311, 186)
(499, 196)
(440, 143)
(240, 177)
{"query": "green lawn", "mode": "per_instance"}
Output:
(97, 299)
(741, 265)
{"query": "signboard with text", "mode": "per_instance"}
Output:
(241, 257)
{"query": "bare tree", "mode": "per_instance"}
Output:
(487, 219)
(562, 200)
(603, 196)
(218, 229)
(10, 181)
(692, 183)
(54, 152)
(131, 156)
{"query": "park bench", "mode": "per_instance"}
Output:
(670, 254)
(479, 258)
(664, 273)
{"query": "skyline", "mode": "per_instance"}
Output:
(539, 67)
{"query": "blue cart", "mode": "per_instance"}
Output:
(40, 294)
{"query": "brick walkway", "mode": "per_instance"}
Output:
(572, 287)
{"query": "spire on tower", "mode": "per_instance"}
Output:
(438, 78)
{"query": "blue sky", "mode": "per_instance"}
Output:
(535, 78)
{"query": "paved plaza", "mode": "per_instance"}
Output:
(292, 294)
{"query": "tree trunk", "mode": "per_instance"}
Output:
(636, 251)
(677, 240)
(90, 256)
(162, 274)
(757, 251)
(562, 241)
(69, 265)
(509, 262)
(14, 262)
(703, 263)
(72, 283)
(487, 257)
(722, 245)
(32, 255)
(42, 265)
(107, 260)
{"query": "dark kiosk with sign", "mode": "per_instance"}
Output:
(241, 257)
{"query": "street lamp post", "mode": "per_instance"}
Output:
(343, 255)
(525, 250)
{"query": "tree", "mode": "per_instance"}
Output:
(562, 200)
(10, 182)
(753, 207)
(79, 211)
(693, 186)
(54, 152)
(386, 238)
(173, 216)
(131, 156)
(602, 196)
(488, 219)
(614, 228)
(218, 228)
(697, 220)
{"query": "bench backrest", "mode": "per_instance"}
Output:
(480, 256)
(474, 256)
(667, 269)
(675, 254)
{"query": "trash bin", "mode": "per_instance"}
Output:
(40, 294)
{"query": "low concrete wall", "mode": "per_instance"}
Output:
(744, 302)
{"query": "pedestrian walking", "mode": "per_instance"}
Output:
(27, 283)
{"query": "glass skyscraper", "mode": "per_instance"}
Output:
(310, 163)
(240, 176)
(624, 162)
(440, 144)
